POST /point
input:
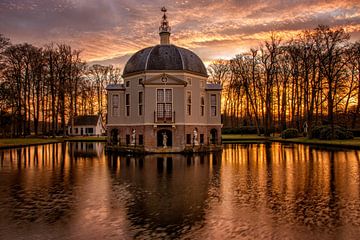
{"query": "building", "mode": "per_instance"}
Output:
(165, 103)
(86, 125)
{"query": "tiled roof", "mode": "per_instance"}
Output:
(213, 86)
(85, 120)
(115, 87)
(165, 57)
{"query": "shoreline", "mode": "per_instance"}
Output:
(9, 143)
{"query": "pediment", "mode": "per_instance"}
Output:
(164, 79)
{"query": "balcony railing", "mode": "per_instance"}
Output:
(164, 117)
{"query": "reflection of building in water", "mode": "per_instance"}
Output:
(86, 149)
(169, 191)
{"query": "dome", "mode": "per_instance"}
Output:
(164, 57)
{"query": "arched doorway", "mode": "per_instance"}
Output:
(213, 136)
(114, 136)
(162, 135)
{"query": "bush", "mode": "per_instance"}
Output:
(290, 133)
(355, 132)
(315, 131)
(324, 132)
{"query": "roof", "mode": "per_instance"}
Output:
(213, 86)
(165, 57)
(85, 120)
(115, 87)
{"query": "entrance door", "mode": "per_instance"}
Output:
(213, 136)
(114, 136)
(164, 137)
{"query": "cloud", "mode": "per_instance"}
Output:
(109, 31)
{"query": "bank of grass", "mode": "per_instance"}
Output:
(238, 138)
(19, 142)
(30, 141)
(351, 143)
(86, 139)
(233, 138)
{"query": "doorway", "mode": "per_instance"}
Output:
(213, 136)
(164, 136)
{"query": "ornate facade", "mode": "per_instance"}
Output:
(165, 103)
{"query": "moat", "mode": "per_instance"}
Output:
(247, 191)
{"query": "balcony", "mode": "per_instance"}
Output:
(164, 117)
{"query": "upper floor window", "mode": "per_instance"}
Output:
(189, 81)
(127, 104)
(213, 105)
(115, 105)
(188, 102)
(127, 84)
(164, 104)
(202, 106)
(141, 96)
(141, 81)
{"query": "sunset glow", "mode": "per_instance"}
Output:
(110, 31)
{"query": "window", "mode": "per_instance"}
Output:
(202, 106)
(89, 130)
(127, 104)
(127, 84)
(201, 138)
(141, 139)
(189, 82)
(141, 81)
(188, 138)
(164, 104)
(141, 96)
(213, 105)
(127, 139)
(188, 101)
(115, 105)
(76, 130)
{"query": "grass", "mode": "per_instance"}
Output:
(238, 138)
(14, 142)
(351, 142)
(229, 137)
(87, 138)
(19, 142)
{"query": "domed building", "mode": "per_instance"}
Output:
(165, 103)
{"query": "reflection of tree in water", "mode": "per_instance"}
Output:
(39, 197)
(168, 192)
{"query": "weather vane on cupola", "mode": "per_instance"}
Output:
(164, 29)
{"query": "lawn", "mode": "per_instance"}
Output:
(242, 137)
(13, 142)
(352, 142)
(19, 142)
(86, 139)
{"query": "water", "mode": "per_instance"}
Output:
(254, 191)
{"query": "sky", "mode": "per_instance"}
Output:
(110, 31)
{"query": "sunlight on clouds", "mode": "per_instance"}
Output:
(115, 29)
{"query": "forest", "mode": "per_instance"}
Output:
(313, 78)
(41, 88)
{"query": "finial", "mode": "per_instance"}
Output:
(164, 29)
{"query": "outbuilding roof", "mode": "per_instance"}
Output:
(85, 120)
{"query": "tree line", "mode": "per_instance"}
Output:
(313, 78)
(42, 88)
